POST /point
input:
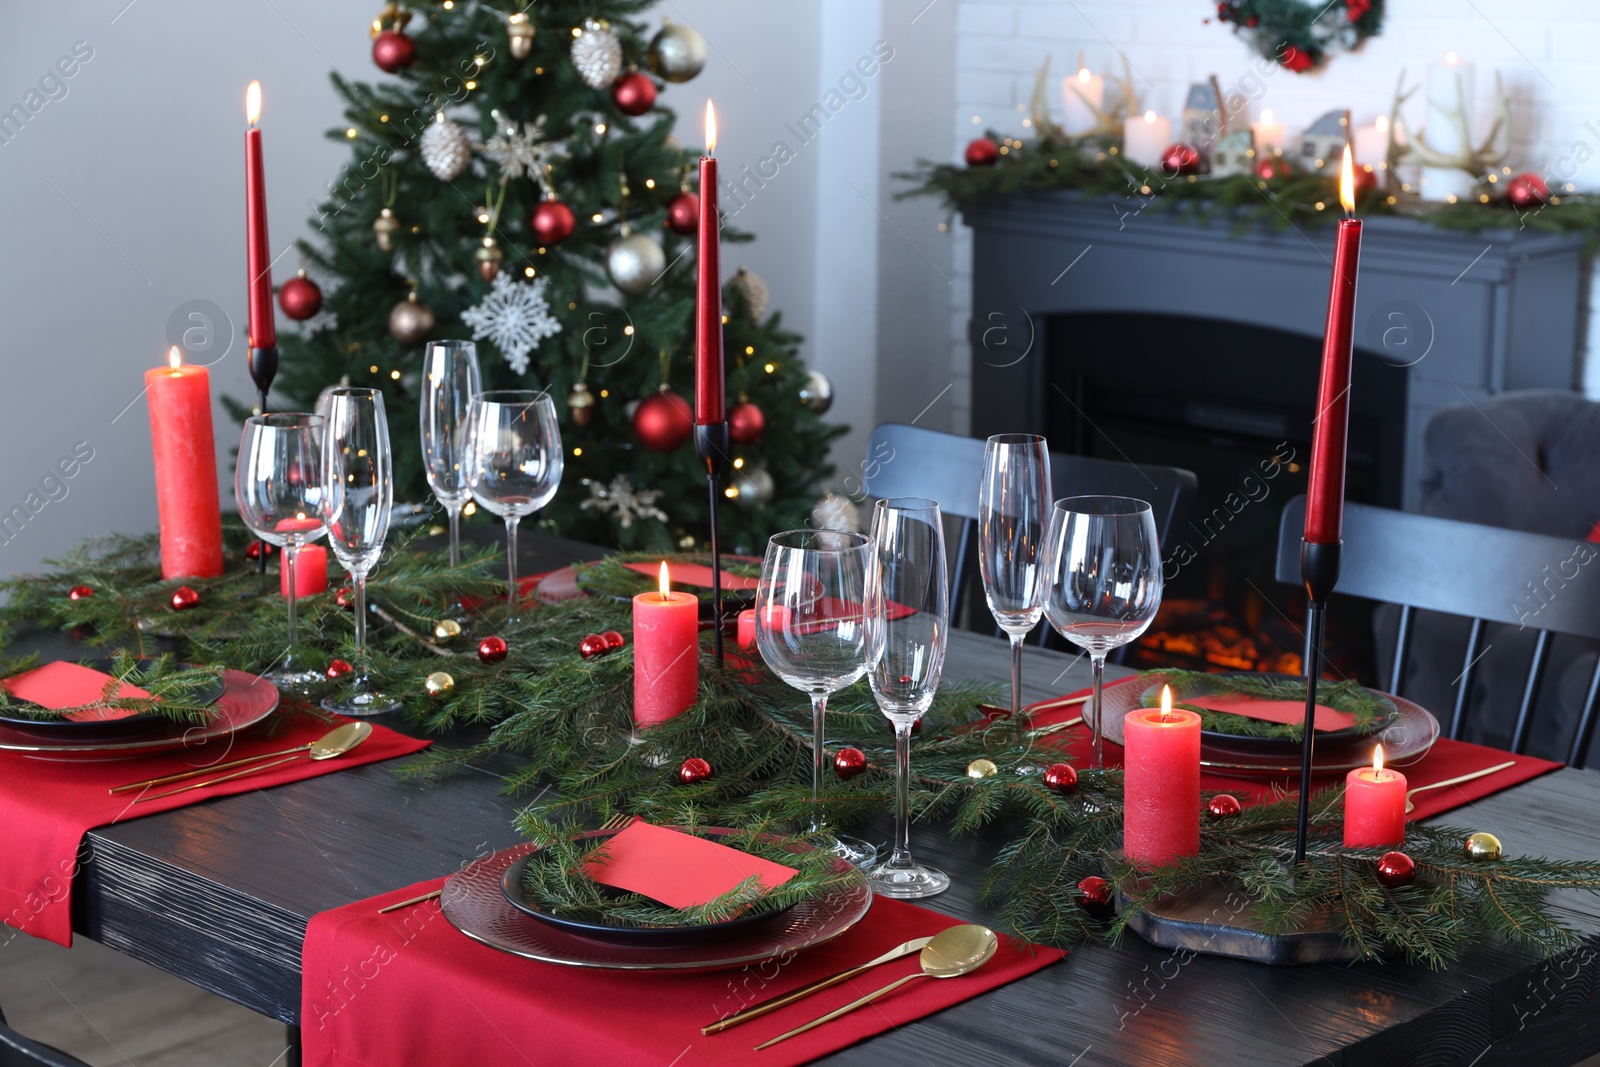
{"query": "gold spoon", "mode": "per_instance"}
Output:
(952, 953)
(334, 736)
(331, 745)
(1410, 807)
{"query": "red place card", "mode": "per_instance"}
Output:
(70, 685)
(1288, 712)
(693, 574)
(677, 869)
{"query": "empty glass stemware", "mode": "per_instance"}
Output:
(513, 462)
(359, 494)
(1013, 511)
(1102, 580)
(278, 485)
(908, 620)
(450, 379)
(810, 632)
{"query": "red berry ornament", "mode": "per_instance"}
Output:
(184, 598)
(1527, 191)
(345, 597)
(1395, 869)
(493, 649)
(982, 153)
(338, 668)
(614, 641)
(257, 548)
(1295, 60)
(849, 762)
(1268, 169)
(591, 646)
(746, 423)
(634, 94)
(1224, 806)
(694, 770)
(80, 592)
(663, 422)
(683, 214)
(552, 222)
(1061, 778)
(300, 297)
(1179, 160)
(393, 50)
(1094, 896)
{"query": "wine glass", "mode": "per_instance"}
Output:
(358, 481)
(450, 379)
(810, 632)
(513, 462)
(1013, 511)
(1102, 579)
(908, 620)
(278, 485)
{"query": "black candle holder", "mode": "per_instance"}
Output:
(1319, 570)
(263, 365)
(711, 444)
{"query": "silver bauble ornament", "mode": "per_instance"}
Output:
(384, 227)
(596, 54)
(755, 486)
(817, 393)
(678, 52)
(634, 262)
(836, 512)
(445, 149)
(754, 290)
(519, 27)
(411, 320)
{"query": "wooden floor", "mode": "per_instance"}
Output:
(113, 1011)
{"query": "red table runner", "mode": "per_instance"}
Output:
(406, 987)
(46, 807)
(1446, 759)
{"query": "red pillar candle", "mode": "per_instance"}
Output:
(1374, 805)
(1325, 488)
(709, 402)
(1160, 784)
(666, 653)
(186, 469)
(747, 628)
(310, 572)
(263, 327)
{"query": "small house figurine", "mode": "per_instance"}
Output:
(1233, 153)
(1322, 145)
(1204, 120)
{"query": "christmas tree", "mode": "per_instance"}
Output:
(515, 182)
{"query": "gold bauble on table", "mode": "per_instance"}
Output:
(520, 28)
(678, 52)
(446, 630)
(385, 226)
(488, 257)
(1483, 846)
(439, 683)
(411, 320)
(982, 768)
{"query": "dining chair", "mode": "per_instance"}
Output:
(904, 460)
(1503, 583)
(18, 1051)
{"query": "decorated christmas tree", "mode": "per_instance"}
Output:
(514, 181)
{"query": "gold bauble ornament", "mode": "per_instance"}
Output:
(581, 403)
(488, 257)
(384, 226)
(982, 768)
(446, 629)
(411, 320)
(1483, 846)
(439, 683)
(749, 284)
(753, 485)
(678, 52)
(520, 28)
(391, 17)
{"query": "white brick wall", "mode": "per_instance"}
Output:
(1545, 50)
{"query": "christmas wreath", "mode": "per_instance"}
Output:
(1299, 35)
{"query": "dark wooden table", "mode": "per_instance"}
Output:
(219, 894)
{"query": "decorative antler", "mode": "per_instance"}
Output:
(1474, 159)
(1040, 106)
(1108, 121)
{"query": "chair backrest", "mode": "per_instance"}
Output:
(1483, 573)
(18, 1051)
(905, 460)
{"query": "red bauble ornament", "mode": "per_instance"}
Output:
(982, 153)
(1094, 896)
(184, 598)
(1366, 178)
(1061, 777)
(613, 640)
(1527, 191)
(300, 298)
(258, 547)
(1354, 9)
(1395, 869)
(345, 597)
(338, 668)
(80, 592)
(849, 762)
(1224, 806)
(1270, 168)
(694, 769)
(392, 50)
(1295, 60)
(745, 423)
(634, 94)
(492, 649)
(683, 214)
(552, 222)
(663, 422)
(591, 646)
(1180, 159)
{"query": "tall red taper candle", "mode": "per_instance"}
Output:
(1325, 491)
(709, 403)
(186, 469)
(263, 327)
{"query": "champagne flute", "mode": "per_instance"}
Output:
(810, 632)
(450, 379)
(1013, 511)
(908, 620)
(278, 485)
(1102, 579)
(358, 477)
(513, 462)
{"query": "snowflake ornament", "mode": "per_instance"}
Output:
(629, 504)
(514, 317)
(517, 150)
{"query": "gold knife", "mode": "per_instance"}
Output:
(755, 1011)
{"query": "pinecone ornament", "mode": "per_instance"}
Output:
(446, 149)
(596, 54)
(754, 290)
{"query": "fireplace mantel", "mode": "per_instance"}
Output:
(1502, 307)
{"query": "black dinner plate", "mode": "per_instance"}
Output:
(1332, 740)
(68, 731)
(733, 600)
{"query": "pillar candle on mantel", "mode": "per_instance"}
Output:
(1374, 805)
(1449, 127)
(1269, 135)
(666, 653)
(1081, 95)
(1160, 784)
(1145, 137)
(258, 255)
(186, 469)
(709, 405)
(1331, 426)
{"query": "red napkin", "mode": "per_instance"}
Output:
(46, 808)
(679, 869)
(1446, 759)
(463, 1002)
(1279, 711)
(62, 684)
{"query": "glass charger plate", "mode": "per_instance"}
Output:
(123, 728)
(473, 902)
(246, 699)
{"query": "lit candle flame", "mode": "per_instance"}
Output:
(174, 358)
(1266, 116)
(1347, 182)
(252, 102)
(1166, 702)
(1083, 76)
(1377, 760)
(666, 584)
(1150, 117)
(1382, 123)
(711, 130)
(1451, 58)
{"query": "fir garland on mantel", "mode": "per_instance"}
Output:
(567, 719)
